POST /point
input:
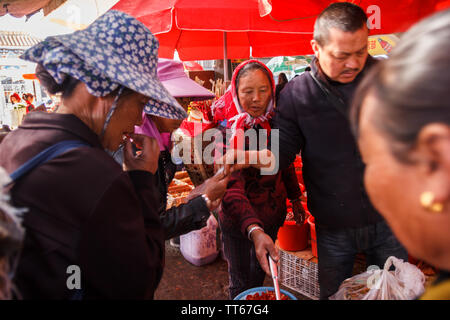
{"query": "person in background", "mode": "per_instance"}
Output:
(254, 205)
(312, 118)
(14, 98)
(28, 98)
(282, 81)
(203, 199)
(401, 118)
(17, 110)
(84, 210)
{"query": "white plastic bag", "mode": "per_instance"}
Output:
(405, 283)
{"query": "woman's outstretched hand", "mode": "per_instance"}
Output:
(235, 160)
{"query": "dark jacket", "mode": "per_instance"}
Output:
(84, 210)
(185, 218)
(179, 220)
(332, 165)
(278, 89)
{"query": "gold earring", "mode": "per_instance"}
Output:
(427, 202)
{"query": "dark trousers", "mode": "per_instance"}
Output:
(244, 270)
(337, 249)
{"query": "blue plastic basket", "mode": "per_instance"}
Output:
(243, 295)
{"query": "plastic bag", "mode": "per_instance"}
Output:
(405, 283)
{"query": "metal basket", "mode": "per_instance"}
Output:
(299, 274)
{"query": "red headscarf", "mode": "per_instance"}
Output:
(228, 107)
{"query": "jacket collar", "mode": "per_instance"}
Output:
(68, 123)
(319, 74)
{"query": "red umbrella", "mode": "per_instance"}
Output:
(385, 16)
(192, 66)
(271, 27)
(215, 29)
(198, 29)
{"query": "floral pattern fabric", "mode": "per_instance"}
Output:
(115, 50)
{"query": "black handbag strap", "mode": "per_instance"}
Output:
(42, 223)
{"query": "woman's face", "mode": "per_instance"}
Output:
(127, 115)
(395, 188)
(254, 92)
(14, 100)
(170, 125)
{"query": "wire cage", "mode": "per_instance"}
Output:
(299, 274)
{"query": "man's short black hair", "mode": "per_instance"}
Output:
(344, 16)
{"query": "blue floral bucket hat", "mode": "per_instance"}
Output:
(116, 50)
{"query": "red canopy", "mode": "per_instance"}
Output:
(192, 66)
(395, 16)
(195, 28)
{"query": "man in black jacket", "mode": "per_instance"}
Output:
(312, 119)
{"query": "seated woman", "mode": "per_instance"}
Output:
(401, 118)
(254, 206)
(92, 228)
(203, 199)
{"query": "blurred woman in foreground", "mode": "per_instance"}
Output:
(401, 117)
(89, 218)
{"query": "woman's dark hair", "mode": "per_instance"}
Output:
(412, 87)
(250, 67)
(52, 87)
(68, 85)
(282, 78)
(344, 16)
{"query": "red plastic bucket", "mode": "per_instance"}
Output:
(312, 226)
(292, 237)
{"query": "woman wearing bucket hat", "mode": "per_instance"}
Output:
(92, 228)
(194, 214)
